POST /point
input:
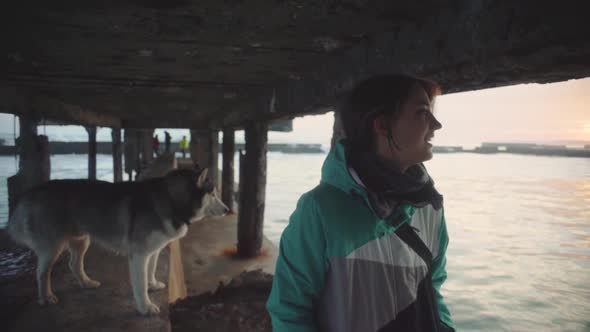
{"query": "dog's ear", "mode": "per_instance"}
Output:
(202, 178)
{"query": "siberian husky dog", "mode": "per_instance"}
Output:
(133, 218)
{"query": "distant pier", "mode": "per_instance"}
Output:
(484, 148)
(106, 148)
(519, 148)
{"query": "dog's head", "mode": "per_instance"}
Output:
(194, 196)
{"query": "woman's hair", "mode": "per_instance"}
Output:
(379, 95)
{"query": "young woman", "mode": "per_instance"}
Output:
(365, 249)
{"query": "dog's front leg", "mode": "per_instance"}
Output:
(152, 266)
(139, 282)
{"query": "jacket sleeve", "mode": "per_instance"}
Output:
(300, 271)
(439, 275)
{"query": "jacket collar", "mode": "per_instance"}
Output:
(336, 172)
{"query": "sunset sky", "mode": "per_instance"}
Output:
(541, 113)
(530, 112)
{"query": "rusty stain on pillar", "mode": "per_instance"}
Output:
(117, 155)
(91, 152)
(34, 161)
(252, 190)
(227, 173)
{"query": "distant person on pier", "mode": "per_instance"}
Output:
(183, 146)
(365, 249)
(156, 145)
(167, 141)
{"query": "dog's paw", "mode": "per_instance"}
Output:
(48, 299)
(157, 285)
(90, 283)
(149, 309)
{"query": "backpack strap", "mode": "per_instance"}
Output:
(408, 234)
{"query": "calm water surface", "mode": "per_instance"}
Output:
(519, 227)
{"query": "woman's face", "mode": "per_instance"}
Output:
(412, 130)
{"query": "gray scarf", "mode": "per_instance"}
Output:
(388, 187)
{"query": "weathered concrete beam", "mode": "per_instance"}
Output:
(464, 44)
(473, 45)
(262, 107)
(66, 113)
(239, 119)
(198, 122)
(51, 110)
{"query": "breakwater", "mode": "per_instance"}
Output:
(106, 148)
(519, 148)
(485, 148)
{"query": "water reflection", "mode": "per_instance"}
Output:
(519, 256)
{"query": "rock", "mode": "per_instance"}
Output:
(237, 306)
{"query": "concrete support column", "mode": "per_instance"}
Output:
(252, 190)
(34, 161)
(147, 151)
(204, 149)
(227, 173)
(91, 152)
(117, 155)
(131, 152)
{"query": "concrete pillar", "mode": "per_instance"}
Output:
(227, 173)
(241, 158)
(131, 152)
(117, 155)
(34, 161)
(204, 149)
(91, 152)
(147, 151)
(194, 146)
(252, 191)
(214, 158)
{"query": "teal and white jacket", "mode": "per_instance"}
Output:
(342, 268)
